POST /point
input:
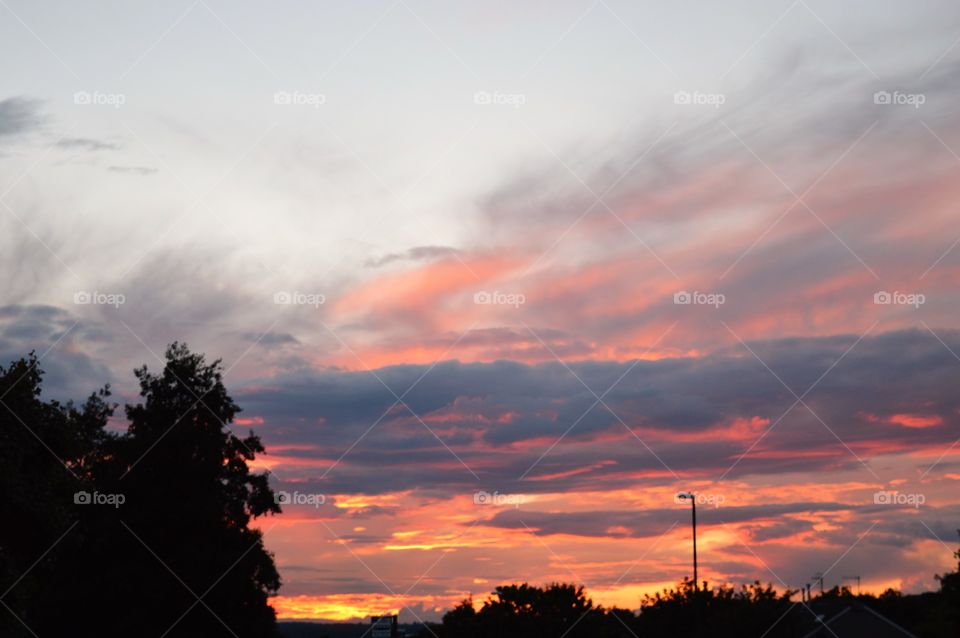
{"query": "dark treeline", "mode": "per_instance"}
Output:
(564, 611)
(136, 531)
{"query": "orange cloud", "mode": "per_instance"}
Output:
(916, 420)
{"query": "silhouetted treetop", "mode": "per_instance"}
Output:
(172, 551)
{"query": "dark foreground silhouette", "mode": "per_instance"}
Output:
(132, 534)
(564, 611)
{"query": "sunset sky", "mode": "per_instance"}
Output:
(573, 256)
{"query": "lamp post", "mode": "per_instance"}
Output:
(683, 496)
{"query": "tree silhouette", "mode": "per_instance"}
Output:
(946, 615)
(750, 610)
(173, 553)
(563, 610)
(47, 451)
(525, 611)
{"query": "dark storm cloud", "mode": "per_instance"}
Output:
(780, 529)
(697, 415)
(645, 523)
(51, 332)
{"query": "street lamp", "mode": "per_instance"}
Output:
(683, 496)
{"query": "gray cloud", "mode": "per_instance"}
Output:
(417, 253)
(645, 523)
(500, 417)
(54, 334)
(19, 115)
(87, 144)
(138, 170)
(270, 339)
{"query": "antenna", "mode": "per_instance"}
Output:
(856, 578)
(819, 577)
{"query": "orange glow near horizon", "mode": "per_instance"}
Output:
(422, 543)
(335, 607)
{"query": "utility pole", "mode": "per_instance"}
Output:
(696, 583)
(819, 576)
(693, 502)
(856, 578)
